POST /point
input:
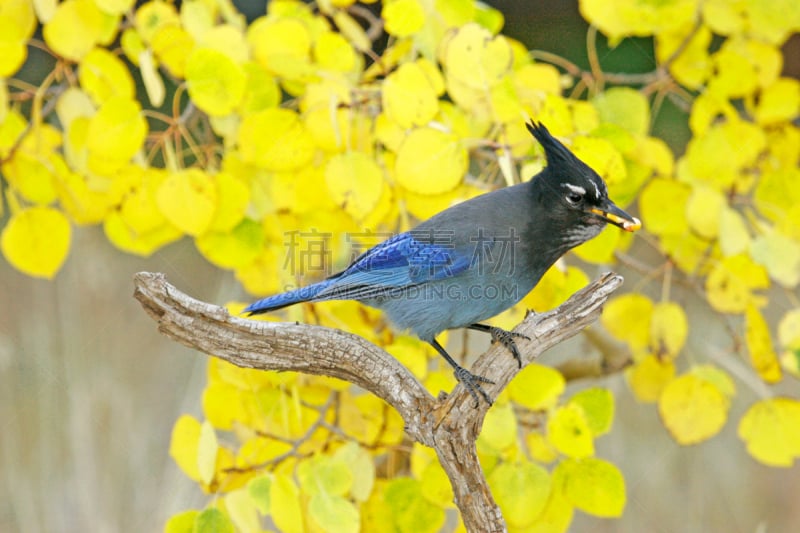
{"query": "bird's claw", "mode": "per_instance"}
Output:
(471, 382)
(506, 338)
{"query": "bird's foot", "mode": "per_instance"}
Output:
(506, 338)
(472, 383)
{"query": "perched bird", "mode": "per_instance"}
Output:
(477, 258)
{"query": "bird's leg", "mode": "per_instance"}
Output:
(506, 338)
(470, 380)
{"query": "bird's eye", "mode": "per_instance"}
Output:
(574, 198)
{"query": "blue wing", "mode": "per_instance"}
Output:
(401, 261)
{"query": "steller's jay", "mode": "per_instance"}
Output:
(477, 258)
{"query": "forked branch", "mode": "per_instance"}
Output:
(449, 424)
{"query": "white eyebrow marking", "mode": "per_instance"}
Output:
(596, 190)
(575, 188)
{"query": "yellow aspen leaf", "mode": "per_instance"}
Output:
(276, 140)
(36, 241)
(403, 17)
(693, 65)
(102, 75)
(521, 490)
(362, 469)
(261, 90)
(556, 516)
(116, 132)
(734, 237)
(410, 511)
(30, 175)
(717, 377)
(476, 59)
(776, 192)
(598, 408)
(693, 409)
(324, 475)
(233, 196)
(759, 344)
(569, 432)
(780, 255)
(707, 109)
(355, 182)
(648, 377)
(331, 127)
(171, 45)
(76, 26)
(152, 16)
(628, 319)
(284, 504)
(224, 404)
(72, 104)
(721, 153)
(742, 65)
(215, 82)
(408, 96)
(625, 107)
(182, 522)
(212, 520)
(188, 199)
(16, 28)
(183, 445)
(593, 485)
(430, 161)
(789, 329)
(282, 46)
(436, 487)
(235, 248)
(669, 328)
(489, 18)
(132, 45)
(539, 448)
(703, 211)
(334, 514)
(771, 431)
(778, 102)
(537, 387)
(121, 235)
(259, 489)
(663, 207)
(207, 448)
(499, 430)
(242, 511)
(335, 53)
(731, 282)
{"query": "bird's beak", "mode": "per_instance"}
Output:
(614, 215)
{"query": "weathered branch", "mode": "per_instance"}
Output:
(449, 424)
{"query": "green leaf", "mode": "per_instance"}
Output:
(212, 520)
(593, 485)
(521, 491)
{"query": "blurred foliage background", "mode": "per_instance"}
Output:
(89, 392)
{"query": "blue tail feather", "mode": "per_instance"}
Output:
(278, 301)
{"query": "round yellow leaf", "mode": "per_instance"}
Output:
(475, 59)
(36, 241)
(285, 504)
(333, 52)
(730, 284)
(276, 140)
(771, 430)
(663, 207)
(207, 448)
(76, 26)
(648, 377)
(598, 408)
(537, 386)
(789, 329)
(499, 430)
(409, 97)
(521, 491)
(355, 182)
(780, 255)
(334, 514)
(154, 15)
(102, 75)
(235, 248)
(172, 44)
(282, 46)
(116, 132)
(669, 328)
(430, 161)
(183, 445)
(692, 409)
(403, 17)
(625, 107)
(569, 432)
(759, 345)
(593, 485)
(628, 319)
(188, 199)
(215, 82)
(703, 211)
(734, 238)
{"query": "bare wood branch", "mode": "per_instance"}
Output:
(449, 424)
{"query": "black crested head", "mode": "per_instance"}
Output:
(576, 197)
